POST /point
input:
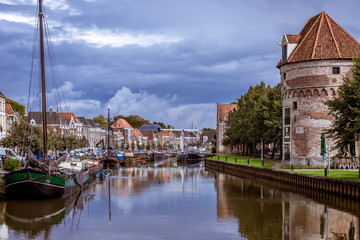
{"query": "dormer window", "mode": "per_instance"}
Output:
(284, 53)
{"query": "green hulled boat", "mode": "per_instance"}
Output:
(44, 179)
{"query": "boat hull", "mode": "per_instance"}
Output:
(110, 162)
(35, 184)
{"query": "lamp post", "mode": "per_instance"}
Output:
(262, 153)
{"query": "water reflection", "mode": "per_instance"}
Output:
(180, 202)
(268, 213)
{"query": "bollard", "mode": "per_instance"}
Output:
(226, 159)
(218, 157)
(325, 172)
(292, 167)
(210, 156)
(248, 161)
(262, 162)
(235, 160)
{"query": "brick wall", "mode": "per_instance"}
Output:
(305, 85)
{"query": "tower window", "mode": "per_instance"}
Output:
(284, 76)
(294, 105)
(336, 70)
(287, 116)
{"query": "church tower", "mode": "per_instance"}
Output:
(312, 67)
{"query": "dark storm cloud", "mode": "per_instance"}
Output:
(183, 55)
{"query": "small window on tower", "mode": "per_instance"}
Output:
(284, 76)
(295, 105)
(336, 70)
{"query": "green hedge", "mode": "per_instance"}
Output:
(12, 164)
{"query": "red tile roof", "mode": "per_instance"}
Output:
(121, 123)
(9, 110)
(67, 116)
(150, 135)
(322, 38)
(223, 110)
(137, 133)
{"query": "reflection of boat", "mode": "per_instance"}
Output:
(43, 179)
(160, 156)
(37, 216)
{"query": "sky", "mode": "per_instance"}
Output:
(171, 61)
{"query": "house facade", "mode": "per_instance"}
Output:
(313, 65)
(125, 128)
(222, 112)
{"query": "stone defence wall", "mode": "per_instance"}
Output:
(304, 87)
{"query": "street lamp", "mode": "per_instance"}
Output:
(262, 153)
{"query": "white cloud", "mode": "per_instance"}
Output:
(113, 38)
(11, 17)
(153, 108)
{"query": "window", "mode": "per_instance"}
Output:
(284, 53)
(294, 105)
(222, 120)
(287, 116)
(336, 70)
(284, 76)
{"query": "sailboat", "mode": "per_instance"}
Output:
(108, 160)
(44, 179)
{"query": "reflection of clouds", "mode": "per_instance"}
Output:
(152, 184)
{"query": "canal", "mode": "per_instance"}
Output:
(179, 202)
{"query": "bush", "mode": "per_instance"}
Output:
(12, 164)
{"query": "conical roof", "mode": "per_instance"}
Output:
(322, 38)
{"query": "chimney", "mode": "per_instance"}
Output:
(50, 110)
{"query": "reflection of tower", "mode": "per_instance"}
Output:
(286, 223)
(221, 204)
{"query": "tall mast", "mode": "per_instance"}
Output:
(108, 139)
(43, 87)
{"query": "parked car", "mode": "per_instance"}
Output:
(7, 152)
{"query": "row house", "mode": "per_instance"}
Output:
(11, 117)
(138, 137)
(73, 125)
(127, 131)
(54, 122)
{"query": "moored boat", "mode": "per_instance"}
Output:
(44, 178)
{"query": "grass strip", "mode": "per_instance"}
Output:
(351, 175)
(252, 162)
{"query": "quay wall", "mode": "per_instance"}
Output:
(331, 186)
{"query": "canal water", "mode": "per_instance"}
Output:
(179, 202)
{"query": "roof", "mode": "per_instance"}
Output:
(322, 38)
(2, 95)
(121, 123)
(67, 116)
(150, 135)
(150, 128)
(137, 133)
(52, 118)
(9, 110)
(223, 110)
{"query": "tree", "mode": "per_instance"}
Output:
(16, 137)
(345, 108)
(100, 120)
(258, 115)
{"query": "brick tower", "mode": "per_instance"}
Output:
(312, 66)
